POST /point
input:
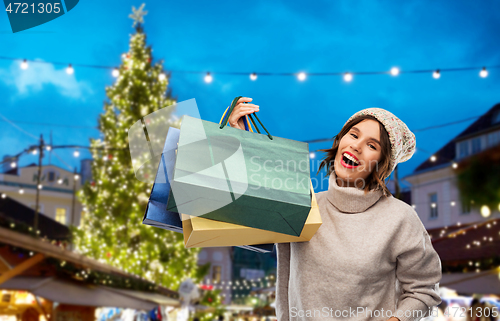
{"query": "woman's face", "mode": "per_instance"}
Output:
(361, 144)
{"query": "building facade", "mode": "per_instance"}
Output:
(434, 190)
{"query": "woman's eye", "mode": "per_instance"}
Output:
(372, 146)
(354, 136)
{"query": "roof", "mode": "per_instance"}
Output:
(452, 246)
(13, 211)
(447, 153)
(64, 257)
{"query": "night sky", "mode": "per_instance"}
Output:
(259, 36)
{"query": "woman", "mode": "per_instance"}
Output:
(372, 258)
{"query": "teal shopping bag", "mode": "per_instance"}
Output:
(240, 177)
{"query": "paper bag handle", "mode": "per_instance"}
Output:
(233, 104)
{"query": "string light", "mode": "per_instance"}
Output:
(312, 155)
(4, 195)
(394, 71)
(485, 211)
(162, 77)
(115, 72)
(24, 65)
(433, 158)
(436, 74)
(253, 76)
(70, 70)
(48, 147)
(208, 78)
(21, 191)
(40, 186)
(348, 77)
(13, 164)
(76, 153)
(483, 73)
(301, 76)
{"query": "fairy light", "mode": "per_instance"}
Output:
(24, 64)
(13, 165)
(208, 78)
(348, 77)
(115, 72)
(301, 76)
(433, 158)
(76, 153)
(162, 77)
(483, 73)
(485, 211)
(253, 76)
(70, 70)
(395, 71)
(436, 74)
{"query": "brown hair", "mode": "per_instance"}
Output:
(376, 178)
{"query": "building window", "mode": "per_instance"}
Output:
(433, 205)
(496, 117)
(493, 139)
(463, 149)
(61, 215)
(51, 177)
(216, 273)
(466, 207)
(476, 145)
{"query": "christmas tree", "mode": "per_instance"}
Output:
(115, 200)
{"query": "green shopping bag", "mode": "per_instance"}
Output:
(240, 177)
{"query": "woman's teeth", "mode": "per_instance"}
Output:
(352, 159)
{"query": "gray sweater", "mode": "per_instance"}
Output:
(371, 254)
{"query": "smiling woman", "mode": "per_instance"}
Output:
(364, 157)
(371, 259)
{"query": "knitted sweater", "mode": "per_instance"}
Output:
(371, 254)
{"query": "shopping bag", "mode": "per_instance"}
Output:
(201, 232)
(156, 213)
(241, 177)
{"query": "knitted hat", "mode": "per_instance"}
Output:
(402, 139)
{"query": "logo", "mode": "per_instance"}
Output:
(28, 14)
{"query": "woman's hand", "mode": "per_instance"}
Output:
(239, 111)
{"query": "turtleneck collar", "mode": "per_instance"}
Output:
(350, 199)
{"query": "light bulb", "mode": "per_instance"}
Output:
(21, 191)
(40, 186)
(77, 176)
(24, 64)
(394, 71)
(302, 76)
(48, 147)
(253, 76)
(13, 164)
(436, 74)
(115, 72)
(162, 77)
(433, 158)
(208, 78)
(76, 153)
(347, 76)
(312, 155)
(483, 73)
(485, 211)
(70, 70)
(455, 165)
(34, 151)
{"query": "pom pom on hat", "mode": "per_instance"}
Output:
(402, 140)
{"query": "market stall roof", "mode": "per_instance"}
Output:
(68, 292)
(485, 282)
(30, 274)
